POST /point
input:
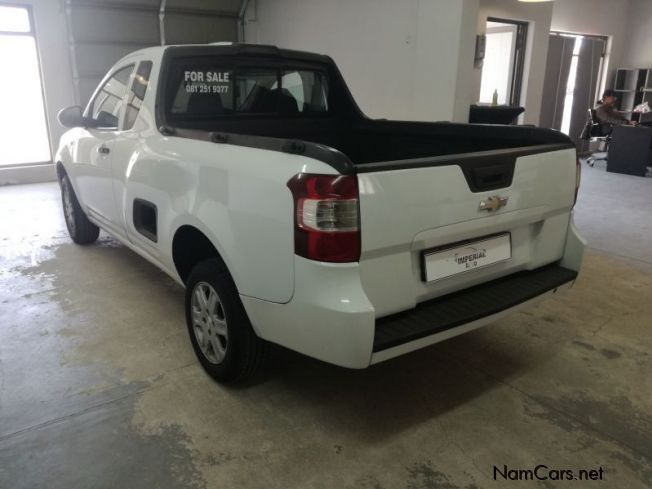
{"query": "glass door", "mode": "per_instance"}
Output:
(22, 110)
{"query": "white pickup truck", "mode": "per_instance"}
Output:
(249, 175)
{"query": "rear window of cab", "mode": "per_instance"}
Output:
(208, 90)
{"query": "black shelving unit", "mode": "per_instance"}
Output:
(634, 86)
(647, 88)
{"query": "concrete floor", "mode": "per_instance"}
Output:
(99, 386)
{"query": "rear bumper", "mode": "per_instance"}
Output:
(468, 306)
(330, 317)
(432, 339)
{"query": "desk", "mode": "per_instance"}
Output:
(629, 150)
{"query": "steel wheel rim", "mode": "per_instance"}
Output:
(209, 322)
(68, 208)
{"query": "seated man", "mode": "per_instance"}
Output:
(607, 113)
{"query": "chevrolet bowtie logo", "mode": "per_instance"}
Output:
(493, 203)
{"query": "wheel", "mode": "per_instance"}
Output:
(219, 329)
(81, 230)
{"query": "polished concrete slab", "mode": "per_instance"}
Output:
(99, 386)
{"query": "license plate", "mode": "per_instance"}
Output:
(459, 258)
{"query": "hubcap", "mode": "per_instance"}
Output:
(68, 208)
(209, 322)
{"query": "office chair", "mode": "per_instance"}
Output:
(596, 131)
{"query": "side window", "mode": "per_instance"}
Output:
(105, 108)
(137, 93)
(308, 88)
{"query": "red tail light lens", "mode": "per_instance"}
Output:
(326, 217)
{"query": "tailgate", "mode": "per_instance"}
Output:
(418, 215)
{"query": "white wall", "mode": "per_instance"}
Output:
(465, 85)
(539, 16)
(638, 52)
(411, 59)
(597, 17)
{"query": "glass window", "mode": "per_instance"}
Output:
(203, 91)
(105, 108)
(256, 91)
(308, 88)
(14, 19)
(21, 92)
(137, 93)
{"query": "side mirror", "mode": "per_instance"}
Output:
(71, 117)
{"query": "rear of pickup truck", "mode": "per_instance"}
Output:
(405, 233)
(446, 244)
(447, 248)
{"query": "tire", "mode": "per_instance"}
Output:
(81, 230)
(220, 332)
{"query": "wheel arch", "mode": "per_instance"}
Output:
(61, 171)
(190, 245)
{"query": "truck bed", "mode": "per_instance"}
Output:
(343, 126)
(367, 142)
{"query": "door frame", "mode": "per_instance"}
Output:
(602, 80)
(518, 63)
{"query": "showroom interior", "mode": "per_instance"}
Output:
(99, 384)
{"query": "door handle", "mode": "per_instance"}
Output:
(103, 150)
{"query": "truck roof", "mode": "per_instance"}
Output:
(228, 49)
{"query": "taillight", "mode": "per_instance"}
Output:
(578, 178)
(326, 217)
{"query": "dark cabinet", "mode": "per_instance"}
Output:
(629, 150)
